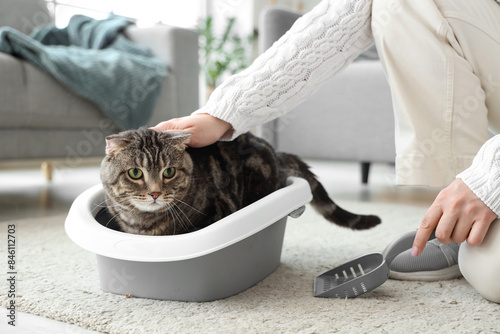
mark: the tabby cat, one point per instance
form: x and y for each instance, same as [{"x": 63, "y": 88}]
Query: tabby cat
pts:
[{"x": 156, "y": 185}]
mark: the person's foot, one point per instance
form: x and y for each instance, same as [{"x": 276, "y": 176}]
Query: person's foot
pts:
[{"x": 437, "y": 262}]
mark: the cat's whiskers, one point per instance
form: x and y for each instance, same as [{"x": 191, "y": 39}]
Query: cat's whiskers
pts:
[
  {"x": 116, "y": 199},
  {"x": 189, "y": 206},
  {"x": 111, "y": 219},
  {"x": 183, "y": 220},
  {"x": 177, "y": 218},
  {"x": 117, "y": 213},
  {"x": 173, "y": 209},
  {"x": 173, "y": 222},
  {"x": 99, "y": 205},
  {"x": 182, "y": 211},
  {"x": 102, "y": 203},
  {"x": 174, "y": 215},
  {"x": 134, "y": 207},
  {"x": 180, "y": 219}
]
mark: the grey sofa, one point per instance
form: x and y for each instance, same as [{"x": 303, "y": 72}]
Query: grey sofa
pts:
[
  {"x": 349, "y": 118},
  {"x": 40, "y": 119}
]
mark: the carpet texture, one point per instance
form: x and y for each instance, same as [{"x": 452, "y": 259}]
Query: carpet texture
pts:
[{"x": 58, "y": 280}]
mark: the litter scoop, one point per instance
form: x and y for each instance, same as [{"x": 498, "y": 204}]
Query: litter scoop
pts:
[{"x": 363, "y": 274}]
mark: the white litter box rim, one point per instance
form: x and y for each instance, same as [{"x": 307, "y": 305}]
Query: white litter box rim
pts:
[{"x": 85, "y": 231}]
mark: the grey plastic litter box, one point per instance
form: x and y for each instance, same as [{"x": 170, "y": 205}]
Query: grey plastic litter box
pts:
[{"x": 216, "y": 262}]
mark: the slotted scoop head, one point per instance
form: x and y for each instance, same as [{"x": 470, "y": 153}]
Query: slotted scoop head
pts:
[
  {"x": 363, "y": 274},
  {"x": 352, "y": 278}
]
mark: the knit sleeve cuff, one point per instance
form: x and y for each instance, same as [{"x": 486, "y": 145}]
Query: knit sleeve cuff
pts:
[
  {"x": 238, "y": 125},
  {"x": 483, "y": 176}
]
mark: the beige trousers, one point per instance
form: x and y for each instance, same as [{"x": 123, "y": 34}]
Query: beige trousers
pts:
[
  {"x": 442, "y": 59},
  {"x": 480, "y": 265}
]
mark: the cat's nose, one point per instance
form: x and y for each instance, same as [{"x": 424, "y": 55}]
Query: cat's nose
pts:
[{"x": 155, "y": 194}]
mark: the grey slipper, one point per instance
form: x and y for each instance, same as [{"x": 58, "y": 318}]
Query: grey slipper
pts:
[{"x": 437, "y": 262}]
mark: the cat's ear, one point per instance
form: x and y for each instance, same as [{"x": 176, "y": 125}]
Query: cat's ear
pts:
[
  {"x": 115, "y": 143},
  {"x": 178, "y": 138}
]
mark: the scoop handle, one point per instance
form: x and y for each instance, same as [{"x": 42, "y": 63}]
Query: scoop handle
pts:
[{"x": 400, "y": 244}]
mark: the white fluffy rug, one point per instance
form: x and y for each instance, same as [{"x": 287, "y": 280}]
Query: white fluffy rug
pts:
[{"x": 58, "y": 280}]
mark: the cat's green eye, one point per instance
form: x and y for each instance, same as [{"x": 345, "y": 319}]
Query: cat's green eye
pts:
[
  {"x": 169, "y": 172},
  {"x": 135, "y": 173}
]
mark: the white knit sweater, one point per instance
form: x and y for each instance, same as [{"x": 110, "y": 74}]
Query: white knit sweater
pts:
[{"x": 319, "y": 45}]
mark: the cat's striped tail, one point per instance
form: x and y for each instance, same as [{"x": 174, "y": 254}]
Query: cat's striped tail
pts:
[{"x": 292, "y": 165}]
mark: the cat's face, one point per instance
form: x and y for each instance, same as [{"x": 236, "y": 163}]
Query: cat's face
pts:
[{"x": 146, "y": 170}]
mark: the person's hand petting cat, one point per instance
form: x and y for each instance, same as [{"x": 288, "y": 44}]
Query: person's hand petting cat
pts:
[
  {"x": 457, "y": 214},
  {"x": 205, "y": 128}
]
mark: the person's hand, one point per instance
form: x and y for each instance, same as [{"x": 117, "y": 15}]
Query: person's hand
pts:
[
  {"x": 205, "y": 128},
  {"x": 457, "y": 214}
]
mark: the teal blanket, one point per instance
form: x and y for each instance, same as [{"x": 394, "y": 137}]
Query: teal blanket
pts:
[{"x": 95, "y": 60}]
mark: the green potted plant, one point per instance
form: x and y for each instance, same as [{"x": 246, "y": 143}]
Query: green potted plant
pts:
[{"x": 220, "y": 55}]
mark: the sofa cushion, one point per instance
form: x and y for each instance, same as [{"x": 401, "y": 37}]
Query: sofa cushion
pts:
[
  {"x": 70, "y": 146},
  {"x": 33, "y": 99}
]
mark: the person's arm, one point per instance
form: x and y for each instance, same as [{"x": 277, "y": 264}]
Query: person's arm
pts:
[
  {"x": 320, "y": 44},
  {"x": 467, "y": 207}
]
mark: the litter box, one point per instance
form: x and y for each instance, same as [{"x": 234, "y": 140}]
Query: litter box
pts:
[{"x": 215, "y": 262}]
